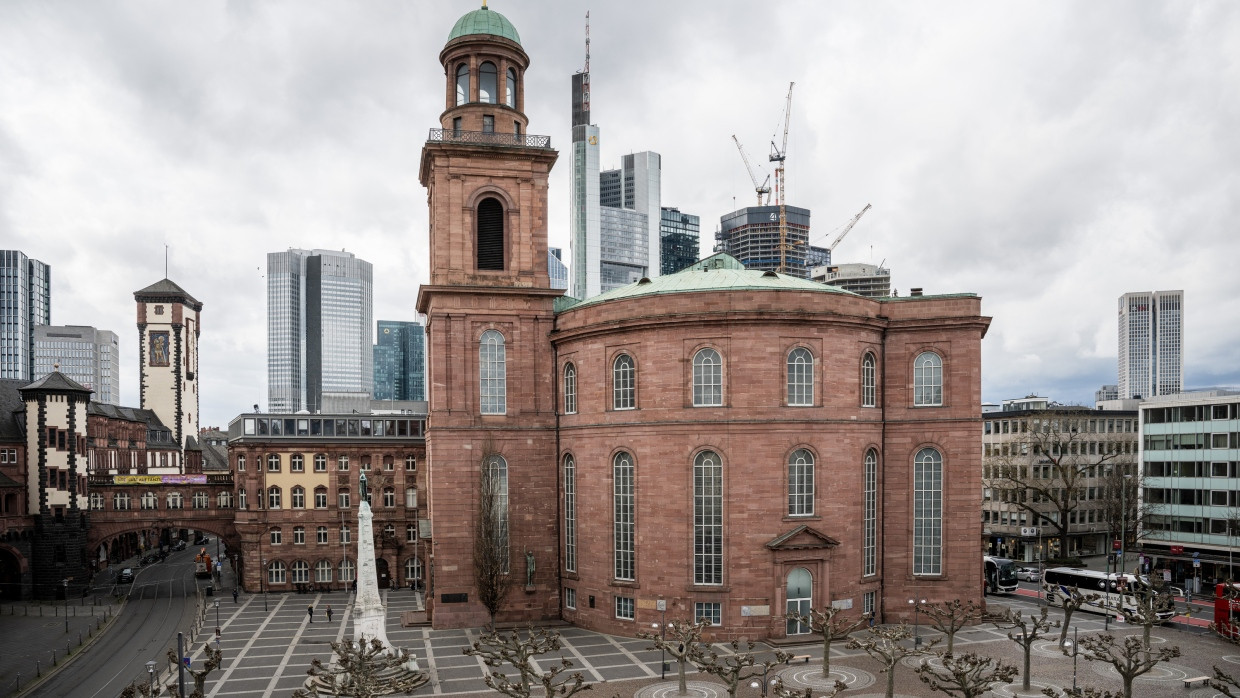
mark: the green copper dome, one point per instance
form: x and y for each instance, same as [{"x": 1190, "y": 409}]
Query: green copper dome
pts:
[{"x": 484, "y": 21}]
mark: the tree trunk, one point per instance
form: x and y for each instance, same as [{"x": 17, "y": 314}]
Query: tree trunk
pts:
[
  {"x": 1128, "y": 687},
  {"x": 1024, "y": 679},
  {"x": 680, "y": 667},
  {"x": 951, "y": 640},
  {"x": 1063, "y": 629},
  {"x": 1145, "y": 636},
  {"x": 891, "y": 681},
  {"x": 826, "y": 656}
]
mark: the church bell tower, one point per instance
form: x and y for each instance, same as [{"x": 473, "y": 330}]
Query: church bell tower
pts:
[{"x": 489, "y": 314}]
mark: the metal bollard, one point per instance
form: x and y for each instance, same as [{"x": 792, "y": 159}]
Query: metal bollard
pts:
[
  {"x": 38, "y": 671},
  {"x": 53, "y": 657}
]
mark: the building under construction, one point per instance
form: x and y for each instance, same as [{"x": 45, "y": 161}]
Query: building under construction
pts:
[
  {"x": 751, "y": 235},
  {"x": 867, "y": 280}
]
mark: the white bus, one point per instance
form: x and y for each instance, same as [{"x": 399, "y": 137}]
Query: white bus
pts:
[
  {"x": 1000, "y": 575},
  {"x": 1111, "y": 589}
]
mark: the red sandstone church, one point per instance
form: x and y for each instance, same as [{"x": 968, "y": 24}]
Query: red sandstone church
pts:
[{"x": 720, "y": 443}]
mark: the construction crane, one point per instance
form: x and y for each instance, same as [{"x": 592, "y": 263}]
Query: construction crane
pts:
[
  {"x": 764, "y": 187},
  {"x": 847, "y": 228},
  {"x": 779, "y": 153}
]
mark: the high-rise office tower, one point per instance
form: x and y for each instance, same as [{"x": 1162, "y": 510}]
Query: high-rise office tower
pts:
[
  {"x": 319, "y": 319},
  {"x": 556, "y": 268},
  {"x": 584, "y": 232},
  {"x": 679, "y": 241},
  {"x": 89, "y": 356},
  {"x": 1151, "y": 328},
  {"x": 751, "y": 235},
  {"x": 25, "y": 301},
  {"x": 400, "y": 361}
]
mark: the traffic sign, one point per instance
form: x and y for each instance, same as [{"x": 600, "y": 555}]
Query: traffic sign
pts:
[
  {"x": 1114, "y": 545},
  {"x": 1197, "y": 563},
  {"x": 1029, "y": 531},
  {"x": 1177, "y": 550}
]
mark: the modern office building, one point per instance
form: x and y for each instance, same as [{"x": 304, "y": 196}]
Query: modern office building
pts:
[
  {"x": 1189, "y": 443},
  {"x": 868, "y": 280},
  {"x": 556, "y": 268},
  {"x": 25, "y": 301},
  {"x": 679, "y": 242},
  {"x": 319, "y": 319},
  {"x": 584, "y": 232},
  {"x": 400, "y": 361},
  {"x": 1105, "y": 394},
  {"x": 1151, "y": 328},
  {"x": 751, "y": 235},
  {"x": 86, "y": 355},
  {"x": 625, "y": 238}
]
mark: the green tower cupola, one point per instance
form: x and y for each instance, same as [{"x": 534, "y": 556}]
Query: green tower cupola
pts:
[{"x": 484, "y": 21}]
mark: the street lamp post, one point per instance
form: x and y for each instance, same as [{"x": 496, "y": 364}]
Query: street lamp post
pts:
[
  {"x": 217, "y": 617},
  {"x": 261, "y": 585},
  {"x": 150, "y": 674},
  {"x": 916, "y": 621},
  {"x": 1075, "y": 651},
  {"x": 65, "y": 583}
]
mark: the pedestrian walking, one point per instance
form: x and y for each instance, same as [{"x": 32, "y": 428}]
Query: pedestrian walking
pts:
[
  {"x": 310, "y": 612},
  {"x": 329, "y": 613},
  {"x": 234, "y": 594}
]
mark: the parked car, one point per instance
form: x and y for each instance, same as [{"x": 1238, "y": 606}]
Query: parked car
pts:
[
  {"x": 1028, "y": 574},
  {"x": 179, "y": 546},
  {"x": 125, "y": 577}
]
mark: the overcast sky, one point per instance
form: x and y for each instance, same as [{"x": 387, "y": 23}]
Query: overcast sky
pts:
[{"x": 1048, "y": 156}]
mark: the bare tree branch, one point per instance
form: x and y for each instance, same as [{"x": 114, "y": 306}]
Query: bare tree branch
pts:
[
  {"x": 831, "y": 627},
  {"x": 967, "y": 676}
]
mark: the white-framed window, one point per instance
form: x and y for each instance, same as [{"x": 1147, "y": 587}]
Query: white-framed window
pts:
[
  {"x": 624, "y": 607},
  {"x": 389, "y": 497},
  {"x": 800, "y": 377},
  {"x": 492, "y": 373},
  {"x": 570, "y": 598},
  {"x": 570, "y": 513},
  {"x": 320, "y": 497},
  {"x": 928, "y": 512},
  {"x": 299, "y": 535},
  {"x": 801, "y": 483},
  {"x": 623, "y": 383},
  {"x": 342, "y": 499},
  {"x": 869, "y": 517},
  {"x": 711, "y": 611},
  {"x": 411, "y": 533},
  {"x": 867, "y": 604},
  {"x": 624, "y": 516},
  {"x": 202, "y": 500},
  {"x": 297, "y": 463},
  {"x": 241, "y": 502},
  {"x": 928, "y": 380},
  {"x": 411, "y": 462},
  {"x": 869, "y": 381},
  {"x": 320, "y": 536},
  {"x": 411, "y": 498},
  {"x": 323, "y": 571},
  {"x": 120, "y": 501},
  {"x": 301, "y": 572},
  {"x": 707, "y": 378},
  {"x": 342, "y": 463},
  {"x": 96, "y": 501},
  {"x": 299, "y": 497},
  {"x": 707, "y": 518},
  {"x": 320, "y": 463},
  {"x": 570, "y": 388},
  {"x": 276, "y": 572},
  {"x": 175, "y": 500},
  {"x": 413, "y": 569},
  {"x": 241, "y": 462},
  {"x": 347, "y": 570},
  {"x": 273, "y": 463},
  {"x": 388, "y": 464},
  {"x": 277, "y": 536},
  {"x": 346, "y": 535},
  {"x": 274, "y": 497}
]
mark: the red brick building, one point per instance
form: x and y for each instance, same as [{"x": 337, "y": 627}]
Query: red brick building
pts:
[{"x": 721, "y": 443}]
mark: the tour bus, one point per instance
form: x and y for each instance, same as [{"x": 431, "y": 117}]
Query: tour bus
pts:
[
  {"x": 1000, "y": 575},
  {"x": 1227, "y": 611},
  {"x": 1110, "y": 589}
]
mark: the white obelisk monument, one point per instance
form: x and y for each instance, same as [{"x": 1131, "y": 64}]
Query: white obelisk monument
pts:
[{"x": 369, "y": 616}]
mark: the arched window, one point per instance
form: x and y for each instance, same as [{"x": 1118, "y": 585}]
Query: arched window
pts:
[
  {"x": 490, "y": 222},
  {"x": 322, "y": 571},
  {"x": 570, "y": 389},
  {"x": 510, "y": 95},
  {"x": 462, "y": 84},
  {"x": 495, "y": 490},
  {"x": 800, "y": 377},
  {"x": 707, "y": 378},
  {"x": 624, "y": 516},
  {"x": 202, "y": 500},
  {"x": 241, "y": 463},
  {"x": 570, "y": 513},
  {"x": 320, "y": 497},
  {"x": 928, "y": 512},
  {"x": 799, "y": 599},
  {"x": 492, "y": 372},
  {"x": 707, "y": 519},
  {"x": 96, "y": 501},
  {"x": 869, "y": 516},
  {"x": 487, "y": 83},
  {"x": 120, "y": 501},
  {"x": 320, "y": 463},
  {"x": 175, "y": 500},
  {"x": 149, "y": 500},
  {"x": 296, "y": 463},
  {"x": 801, "y": 483},
  {"x": 299, "y": 497},
  {"x": 869, "y": 391},
  {"x": 624, "y": 383},
  {"x": 928, "y": 380},
  {"x": 274, "y": 497},
  {"x": 276, "y": 572}
]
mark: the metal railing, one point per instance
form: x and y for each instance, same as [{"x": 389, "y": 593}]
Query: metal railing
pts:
[{"x": 512, "y": 140}]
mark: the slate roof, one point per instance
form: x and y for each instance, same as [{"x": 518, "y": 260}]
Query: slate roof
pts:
[
  {"x": 11, "y": 407},
  {"x": 57, "y": 381},
  {"x": 166, "y": 289}
]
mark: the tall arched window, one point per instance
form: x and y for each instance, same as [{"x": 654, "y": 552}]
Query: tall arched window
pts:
[
  {"x": 495, "y": 490},
  {"x": 799, "y": 595},
  {"x": 276, "y": 572},
  {"x": 490, "y": 221},
  {"x": 707, "y": 519},
  {"x": 869, "y": 392},
  {"x": 462, "y": 84},
  {"x": 707, "y": 378},
  {"x": 624, "y": 516},
  {"x": 928, "y": 512},
  {"x": 624, "y": 383},
  {"x": 800, "y": 377},
  {"x": 570, "y": 389},
  {"x": 928, "y": 380},
  {"x": 801, "y": 483},
  {"x": 869, "y": 517},
  {"x": 570, "y": 513},
  {"x": 510, "y": 95},
  {"x": 322, "y": 571},
  {"x": 301, "y": 572},
  {"x": 274, "y": 497},
  {"x": 492, "y": 373},
  {"x": 299, "y": 497},
  {"x": 487, "y": 91}
]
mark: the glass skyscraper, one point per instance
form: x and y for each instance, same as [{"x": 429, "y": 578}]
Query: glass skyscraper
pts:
[
  {"x": 319, "y": 315},
  {"x": 679, "y": 241},
  {"x": 25, "y": 301},
  {"x": 87, "y": 355},
  {"x": 1151, "y": 326},
  {"x": 400, "y": 361}
]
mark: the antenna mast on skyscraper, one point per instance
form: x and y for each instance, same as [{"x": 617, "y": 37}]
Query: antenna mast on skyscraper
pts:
[{"x": 585, "y": 91}]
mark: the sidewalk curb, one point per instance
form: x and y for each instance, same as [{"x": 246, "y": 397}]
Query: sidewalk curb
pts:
[{"x": 73, "y": 657}]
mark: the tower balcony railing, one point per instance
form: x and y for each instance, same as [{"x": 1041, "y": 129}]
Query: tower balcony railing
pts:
[{"x": 509, "y": 140}]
